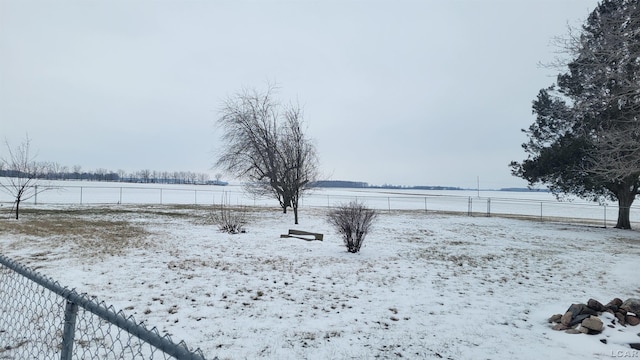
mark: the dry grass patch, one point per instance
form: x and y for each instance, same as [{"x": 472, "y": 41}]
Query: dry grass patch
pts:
[{"x": 90, "y": 236}]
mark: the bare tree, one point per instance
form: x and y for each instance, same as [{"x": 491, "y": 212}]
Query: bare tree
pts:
[
  {"x": 24, "y": 174},
  {"x": 77, "y": 172},
  {"x": 606, "y": 53},
  {"x": 614, "y": 64},
  {"x": 145, "y": 175},
  {"x": 300, "y": 162},
  {"x": 266, "y": 146},
  {"x": 202, "y": 178},
  {"x": 121, "y": 174},
  {"x": 51, "y": 169},
  {"x": 616, "y": 153}
]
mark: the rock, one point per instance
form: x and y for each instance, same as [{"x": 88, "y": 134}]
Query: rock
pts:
[
  {"x": 593, "y": 323},
  {"x": 612, "y": 309},
  {"x": 632, "y": 320},
  {"x": 631, "y": 305},
  {"x": 621, "y": 318},
  {"x": 578, "y": 319},
  {"x": 559, "y": 327},
  {"x": 579, "y": 309},
  {"x": 555, "y": 318},
  {"x": 635, "y": 346},
  {"x": 566, "y": 318},
  {"x": 595, "y": 305},
  {"x": 615, "y": 302},
  {"x": 622, "y": 311},
  {"x": 576, "y": 313},
  {"x": 604, "y": 341},
  {"x": 573, "y": 331},
  {"x": 583, "y": 330}
]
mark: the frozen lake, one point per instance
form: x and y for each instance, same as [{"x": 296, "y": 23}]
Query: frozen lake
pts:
[{"x": 536, "y": 204}]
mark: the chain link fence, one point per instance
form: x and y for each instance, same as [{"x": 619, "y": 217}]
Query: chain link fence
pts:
[
  {"x": 541, "y": 205},
  {"x": 39, "y": 319}
]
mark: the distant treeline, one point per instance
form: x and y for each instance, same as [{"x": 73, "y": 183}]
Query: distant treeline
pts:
[
  {"x": 49, "y": 172},
  {"x": 524, "y": 190},
  {"x": 359, "y": 184},
  {"x": 339, "y": 184}
]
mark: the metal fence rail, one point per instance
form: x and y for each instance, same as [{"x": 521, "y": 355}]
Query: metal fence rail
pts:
[{"x": 39, "y": 319}]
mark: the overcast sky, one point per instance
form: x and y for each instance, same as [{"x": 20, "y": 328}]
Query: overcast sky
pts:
[{"x": 401, "y": 92}]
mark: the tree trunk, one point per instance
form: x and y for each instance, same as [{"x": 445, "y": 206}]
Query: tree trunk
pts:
[
  {"x": 17, "y": 208},
  {"x": 625, "y": 199},
  {"x": 295, "y": 213}
]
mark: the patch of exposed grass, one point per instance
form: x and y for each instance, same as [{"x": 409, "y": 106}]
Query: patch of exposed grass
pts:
[
  {"x": 98, "y": 231},
  {"x": 87, "y": 235},
  {"x": 99, "y": 211}
]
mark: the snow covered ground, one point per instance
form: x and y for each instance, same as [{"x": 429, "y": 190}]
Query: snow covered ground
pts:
[{"x": 423, "y": 286}]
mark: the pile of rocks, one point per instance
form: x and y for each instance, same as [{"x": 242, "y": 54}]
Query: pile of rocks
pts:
[{"x": 584, "y": 318}]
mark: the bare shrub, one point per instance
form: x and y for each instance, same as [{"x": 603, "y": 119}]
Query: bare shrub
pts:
[
  {"x": 353, "y": 221},
  {"x": 229, "y": 220}
]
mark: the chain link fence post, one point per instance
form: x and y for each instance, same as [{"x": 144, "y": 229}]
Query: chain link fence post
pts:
[
  {"x": 540, "y": 211},
  {"x": 68, "y": 333},
  {"x": 488, "y": 207}
]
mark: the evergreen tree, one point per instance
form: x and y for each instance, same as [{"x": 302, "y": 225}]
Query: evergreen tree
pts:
[{"x": 585, "y": 139}]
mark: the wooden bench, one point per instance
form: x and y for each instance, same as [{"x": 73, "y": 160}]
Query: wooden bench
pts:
[{"x": 304, "y": 235}]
